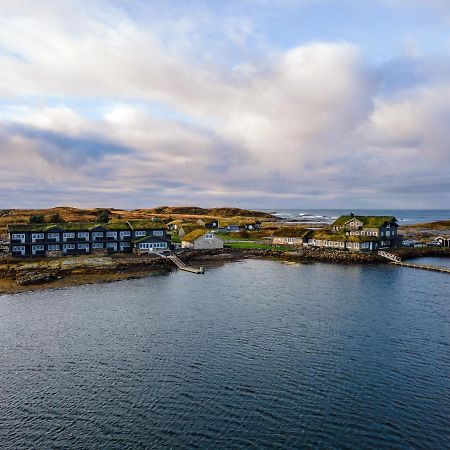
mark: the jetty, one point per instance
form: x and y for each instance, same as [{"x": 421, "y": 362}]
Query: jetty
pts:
[
  {"x": 396, "y": 260},
  {"x": 182, "y": 265}
]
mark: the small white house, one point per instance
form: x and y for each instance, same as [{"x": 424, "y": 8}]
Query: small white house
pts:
[{"x": 201, "y": 240}]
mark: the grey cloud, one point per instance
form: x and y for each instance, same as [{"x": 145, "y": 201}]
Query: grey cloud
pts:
[{"x": 314, "y": 124}]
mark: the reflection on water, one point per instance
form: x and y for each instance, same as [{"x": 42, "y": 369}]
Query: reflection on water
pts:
[{"x": 251, "y": 353}]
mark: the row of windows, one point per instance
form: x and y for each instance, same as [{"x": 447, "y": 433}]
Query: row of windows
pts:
[
  {"x": 343, "y": 244},
  {"x": 57, "y": 247},
  {"x": 152, "y": 245},
  {"x": 85, "y": 234}
]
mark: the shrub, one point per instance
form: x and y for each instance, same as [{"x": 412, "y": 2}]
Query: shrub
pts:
[
  {"x": 36, "y": 218},
  {"x": 55, "y": 218},
  {"x": 103, "y": 216}
]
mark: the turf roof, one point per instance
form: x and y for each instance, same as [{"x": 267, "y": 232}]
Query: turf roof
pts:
[
  {"x": 368, "y": 221},
  {"x": 193, "y": 235},
  {"x": 291, "y": 232}
]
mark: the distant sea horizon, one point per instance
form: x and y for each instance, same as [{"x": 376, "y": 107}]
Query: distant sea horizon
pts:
[{"x": 404, "y": 216}]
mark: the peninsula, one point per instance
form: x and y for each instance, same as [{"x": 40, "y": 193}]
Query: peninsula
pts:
[{"x": 63, "y": 246}]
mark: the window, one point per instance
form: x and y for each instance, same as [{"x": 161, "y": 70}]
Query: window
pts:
[
  {"x": 125, "y": 234},
  {"x": 18, "y": 237},
  {"x": 68, "y": 235},
  {"x": 53, "y": 235},
  {"x": 140, "y": 233},
  {"x": 97, "y": 245},
  {"x": 53, "y": 247},
  {"x": 111, "y": 245},
  {"x": 111, "y": 234},
  {"x": 125, "y": 244},
  {"x": 83, "y": 235},
  {"x": 38, "y": 248},
  {"x": 290, "y": 240},
  {"x": 69, "y": 246},
  {"x": 37, "y": 236},
  {"x": 83, "y": 246},
  {"x": 209, "y": 236},
  {"x": 158, "y": 233},
  {"x": 97, "y": 234},
  {"x": 18, "y": 248}
]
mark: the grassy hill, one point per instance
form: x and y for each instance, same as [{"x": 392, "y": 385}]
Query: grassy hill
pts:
[{"x": 70, "y": 214}]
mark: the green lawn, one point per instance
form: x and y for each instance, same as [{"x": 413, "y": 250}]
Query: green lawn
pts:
[
  {"x": 174, "y": 238},
  {"x": 252, "y": 245}
]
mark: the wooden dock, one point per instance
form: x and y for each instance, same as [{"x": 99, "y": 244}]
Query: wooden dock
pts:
[
  {"x": 396, "y": 260},
  {"x": 422, "y": 266},
  {"x": 182, "y": 266}
]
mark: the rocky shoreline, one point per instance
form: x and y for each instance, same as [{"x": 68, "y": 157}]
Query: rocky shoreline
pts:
[{"x": 18, "y": 275}]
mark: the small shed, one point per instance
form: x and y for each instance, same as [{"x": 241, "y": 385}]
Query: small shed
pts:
[
  {"x": 201, "y": 240},
  {"x": 290, "y": 236}
]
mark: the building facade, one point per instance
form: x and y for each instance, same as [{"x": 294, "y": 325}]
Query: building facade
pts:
[
  {"x": 202, "y": 240},
  {"x": 80, "y": 238},
  {"x": 359, "y": 233},
  {"x": 443, "y": 241},
  {"x": 290, "y": 236},
  {"x": 151, "y": 244}
]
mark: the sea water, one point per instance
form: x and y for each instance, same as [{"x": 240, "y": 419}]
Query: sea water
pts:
[{"x": 252, "y": 354}]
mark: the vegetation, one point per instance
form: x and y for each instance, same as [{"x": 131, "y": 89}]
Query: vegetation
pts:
[
  {"x": 56, "y": 218},
  {"x": 36, "y": 218},
  {"x": 103, "y": 216},
  {"x": 219, "y": 212},
  {"x": 174, "y": 237},
  {"x": 166, "y": 214}
]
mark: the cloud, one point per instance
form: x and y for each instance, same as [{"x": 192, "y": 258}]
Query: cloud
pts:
[{"x": 203, "y": 109}]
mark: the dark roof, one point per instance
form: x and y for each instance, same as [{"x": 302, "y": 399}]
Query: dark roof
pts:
[{"x": 368, "y": 221}]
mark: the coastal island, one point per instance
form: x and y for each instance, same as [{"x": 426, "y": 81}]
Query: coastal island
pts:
[{"x": 64, "y": 246}]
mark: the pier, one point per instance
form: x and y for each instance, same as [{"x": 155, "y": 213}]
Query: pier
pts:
[
  {"x": 422, "y": 266},
  {"x": 181, "y": 265},
  {"x": 396, "y": 260}
]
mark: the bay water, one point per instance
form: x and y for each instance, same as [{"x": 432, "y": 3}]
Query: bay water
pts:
[{"x": 252, "y": 354}]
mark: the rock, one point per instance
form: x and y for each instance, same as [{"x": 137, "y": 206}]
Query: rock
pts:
[{"x": 28, "y": 279}]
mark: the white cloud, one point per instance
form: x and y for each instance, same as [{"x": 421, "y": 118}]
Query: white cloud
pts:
[{"x": 169, "y": 120}]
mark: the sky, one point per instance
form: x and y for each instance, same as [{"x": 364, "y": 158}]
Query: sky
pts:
[{"x": 249, "y": 103}]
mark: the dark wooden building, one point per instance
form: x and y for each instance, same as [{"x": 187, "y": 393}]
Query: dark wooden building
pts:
[{"x": 81, "y": 238}]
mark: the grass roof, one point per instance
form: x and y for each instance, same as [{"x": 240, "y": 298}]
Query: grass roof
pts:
[
  {"x": 193, "y": 235},
  {"x": 191, "y": 227},
  {"x": 147, "y": 224},
  {"x": 291, "y": 232},
  {"x": 84, "y": 226},
  {"x": 368, "y": 221},
  {"x": 151, "y": 238}
]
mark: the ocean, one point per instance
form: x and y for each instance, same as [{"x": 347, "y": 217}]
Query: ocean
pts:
[
  {"x": 253, "y": 354},
  {"x": 404, "y": 216}
]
